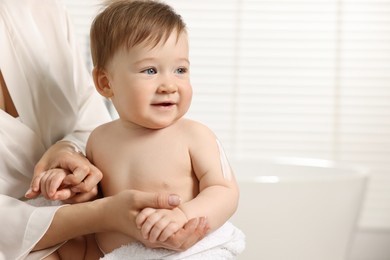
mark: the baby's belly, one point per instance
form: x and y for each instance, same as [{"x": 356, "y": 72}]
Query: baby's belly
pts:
[{"x": 183, "y": 184}]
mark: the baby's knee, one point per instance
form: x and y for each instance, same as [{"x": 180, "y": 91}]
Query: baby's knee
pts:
[
  {"x": 74, "y": 249},
  {"x": 52, "y": 256}
]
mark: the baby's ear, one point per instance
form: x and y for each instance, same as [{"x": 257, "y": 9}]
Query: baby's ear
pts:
[{"x": 102, "y": 83}]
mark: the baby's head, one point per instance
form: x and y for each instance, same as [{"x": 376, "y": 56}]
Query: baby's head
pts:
[
  {"x": 140, "y": 56},
  {"x": 127, "y": 23}
]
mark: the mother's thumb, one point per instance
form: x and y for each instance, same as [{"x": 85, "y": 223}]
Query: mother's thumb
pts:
[{"x": 157, "y": 200}]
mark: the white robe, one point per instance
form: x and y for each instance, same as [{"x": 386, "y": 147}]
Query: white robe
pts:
[{"x": 54, "y": 96}]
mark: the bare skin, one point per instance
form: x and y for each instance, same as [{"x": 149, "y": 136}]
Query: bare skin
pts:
[
  {"x": 6, "y": 102},
  {"x": 151, "y": 147},
  {"x": 95, "y": 216},
  {"x": 87, "y": 218}
]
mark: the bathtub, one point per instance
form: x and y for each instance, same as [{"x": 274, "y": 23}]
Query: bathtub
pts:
[{"x": 297, "y": 209}]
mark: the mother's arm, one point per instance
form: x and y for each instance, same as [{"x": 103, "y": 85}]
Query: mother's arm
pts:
[
  {"x": 97, "y": 216},
  {"x": 116, "y": 213}
]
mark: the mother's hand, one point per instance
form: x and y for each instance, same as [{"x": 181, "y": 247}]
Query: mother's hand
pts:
[
  {"x": 191, "y": 233},
  {"x": 122, "y": 219},
  {"x": 117, "y": 214},
  {"x": 80, "y": 183}
]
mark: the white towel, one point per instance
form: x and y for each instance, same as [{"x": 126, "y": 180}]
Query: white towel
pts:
[{"x": 225, "y": 243}]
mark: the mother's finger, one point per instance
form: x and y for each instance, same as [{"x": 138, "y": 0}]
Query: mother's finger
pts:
[
  {"x": 90, "y": 181},
  {"x": 82, "y": 197},
  {"x": 155, "y": 200},
  {"x": 78, "y": 174},
  {"x": 192, "y": 232}
]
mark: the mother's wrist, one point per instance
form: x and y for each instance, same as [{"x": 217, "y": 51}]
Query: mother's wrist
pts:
[{"x": 71, "y": 146}]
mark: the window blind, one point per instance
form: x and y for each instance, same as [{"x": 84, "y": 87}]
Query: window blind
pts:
[{"x": 296, "y": 78}]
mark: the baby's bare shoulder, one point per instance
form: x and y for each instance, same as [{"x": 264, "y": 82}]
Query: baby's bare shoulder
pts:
[
  {"x": 106, "y": 128},
  {"x": 196, "y": 129}
]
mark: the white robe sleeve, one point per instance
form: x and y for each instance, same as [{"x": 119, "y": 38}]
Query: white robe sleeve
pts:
[
  {"x": 22, "y": 225},
  {"x": 33, "y": 221},
  {"x": 55, "y": 99}
]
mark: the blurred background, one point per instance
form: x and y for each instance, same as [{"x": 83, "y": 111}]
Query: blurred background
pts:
[{"x": 293, "y": 78}]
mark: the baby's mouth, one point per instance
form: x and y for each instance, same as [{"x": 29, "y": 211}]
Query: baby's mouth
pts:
[{"x": 164, "y": 104}]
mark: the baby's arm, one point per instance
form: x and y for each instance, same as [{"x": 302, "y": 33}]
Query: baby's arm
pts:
[
  {"x": 219, "y": 193},
  {"x": 218, "y": 197}
]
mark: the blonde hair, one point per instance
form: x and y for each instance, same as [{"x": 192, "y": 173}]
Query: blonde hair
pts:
[{"x": 127, "y": 23}]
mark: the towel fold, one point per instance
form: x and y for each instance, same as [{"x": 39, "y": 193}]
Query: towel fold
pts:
[{"x": 225, "y": 243}]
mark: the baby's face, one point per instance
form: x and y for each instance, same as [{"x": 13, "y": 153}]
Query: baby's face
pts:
[{"x": 151, "y": 85}]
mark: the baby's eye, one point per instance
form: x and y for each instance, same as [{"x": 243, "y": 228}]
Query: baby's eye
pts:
[
  {"x": 150, "y": 71},
  {"x": 181, "y": 70}
]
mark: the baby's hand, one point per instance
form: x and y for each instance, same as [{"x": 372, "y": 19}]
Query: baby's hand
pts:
[
  {"x": 160, "y": 224},
  {"x": 52, "y": 186}
]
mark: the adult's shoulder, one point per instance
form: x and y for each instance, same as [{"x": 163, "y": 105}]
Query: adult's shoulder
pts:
[
  {"x": 33, "y": 5},
  {"x": 23, "y": 14}
]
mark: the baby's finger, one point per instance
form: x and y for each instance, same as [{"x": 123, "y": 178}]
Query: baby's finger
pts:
[
  {"x": 157, "y": 229},
  {"x": 44, "y": 185},
  {"x": 148, "y": 225},
  {"x": 48, "y": 180},
  {"x": 143, "y": 215},
  {"x": 54, "y": 181},
  {"x": 63, "y": 194},
  {"x": 34, "y": 189}
]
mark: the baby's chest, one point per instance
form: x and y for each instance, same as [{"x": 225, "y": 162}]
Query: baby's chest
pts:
[{"x": 155, "y": 170}]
